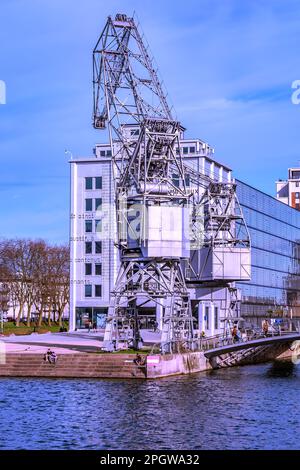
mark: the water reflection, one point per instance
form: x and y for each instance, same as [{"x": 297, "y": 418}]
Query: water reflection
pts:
[{"x": 284, "y": 368}]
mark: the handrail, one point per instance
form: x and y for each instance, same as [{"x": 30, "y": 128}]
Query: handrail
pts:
[{"x": 213, "y": 342}]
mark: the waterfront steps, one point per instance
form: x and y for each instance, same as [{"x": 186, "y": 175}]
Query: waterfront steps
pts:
[{"x": 87, "y": 365}]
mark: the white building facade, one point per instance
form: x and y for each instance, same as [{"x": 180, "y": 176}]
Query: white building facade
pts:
[
  {"x": 94, "y": 255},
  {"x": 288, "y": 191}
]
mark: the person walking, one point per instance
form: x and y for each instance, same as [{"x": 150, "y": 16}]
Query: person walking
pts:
[
  {"x": 234, "y": 334},
  {"x": 265, "y": 327}
]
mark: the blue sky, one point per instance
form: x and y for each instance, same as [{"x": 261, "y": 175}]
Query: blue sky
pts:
[{"x": 228, "y": 66}]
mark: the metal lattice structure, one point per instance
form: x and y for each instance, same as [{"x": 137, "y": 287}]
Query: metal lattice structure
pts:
[
  {"x": 162, "y": 224},
  {"x": 130, "y": 101},
  {"x": 223, "y": 252}
]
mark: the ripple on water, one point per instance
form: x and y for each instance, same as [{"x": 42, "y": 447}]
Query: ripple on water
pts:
[{"x": 253, "y": 407}]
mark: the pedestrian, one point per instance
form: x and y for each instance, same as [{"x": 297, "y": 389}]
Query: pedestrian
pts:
[
  {"x": 90, "y": 326},
  {"x": 234, "y": 333},
  {"x": 94, "y": 326},
  {"x": 265, "y": 327}
]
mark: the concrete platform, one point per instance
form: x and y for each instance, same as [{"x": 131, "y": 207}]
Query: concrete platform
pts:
[{"x": 80, "y": 357}]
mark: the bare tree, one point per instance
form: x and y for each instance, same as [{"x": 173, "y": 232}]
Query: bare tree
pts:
[
  {"x": 15, "y": 260},
  {"x": 60, "y": 292},
  {"x": 37, "y": 275}
]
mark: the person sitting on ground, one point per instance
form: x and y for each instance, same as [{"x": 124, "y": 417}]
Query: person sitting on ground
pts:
[
  {"x": 53, "y": 357},
  {"x": 139, "y": 361},
  {"x": 47, "y": 355},
  {"x": 50, "y": 356}
]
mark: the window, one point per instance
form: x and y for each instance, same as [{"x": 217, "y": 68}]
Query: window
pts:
[
  {"x": 297, "y": 195},
  {"x": 98, "y": 204},
  {"x": 185, "y": 150},
  {"x": 297, "y": 184},
  {"x": 175, "y": 179},
  {"x": 295, "y": 175},
  {"x": 98, "y": 269},
  {"x": 192, "y": 149},
  {"x": 102, "y": 153},
  {"x": 98, "y": 225},
  {"x": 98, "y": 247},
  {"x": 98, "y": 182},
  {"x": 216, "y": 318},
  {"x": 88, "y": 226},
  {"x": 206, "y": 318},
  {"x": 98, "y": 290},
  {"x": 88, "y": 290},
  {"x": 134, "y": 132},
  {"x": 88, "y": 248},
  {"x": 88, "y": 269},
  {"x": 88, "y": 183},
  {"x": 108, "y": 153},
  {"x": 187, "y": 180},
  {"x": 88, "y": 205},
  {"x": 177, "y": 150}
]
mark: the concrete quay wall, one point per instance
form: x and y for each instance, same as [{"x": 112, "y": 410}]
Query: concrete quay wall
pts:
[
  {"x": 115, "y": 365},
  {"x": 90, "y": 365},
  {"x": 176, "y": 364}
]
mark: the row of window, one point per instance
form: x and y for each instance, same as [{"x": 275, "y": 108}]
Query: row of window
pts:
[
  {"x": 105, "y": 153},
  {"x": 89, "y": 226},
  {"x": 89, "y": 269},
  {"x": 93, "y": 182},
  {"x": 88, "y": 290},
  {"x": 93, "y": 204},
  {"x": 295, "y": 174},
  {"x": 89, "y": 248},
  {"x": 186, "y": 150},
  {"x": 176, "y": 181}
]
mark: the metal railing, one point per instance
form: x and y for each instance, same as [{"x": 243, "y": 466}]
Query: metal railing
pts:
[{"x": 214, "y": 342}]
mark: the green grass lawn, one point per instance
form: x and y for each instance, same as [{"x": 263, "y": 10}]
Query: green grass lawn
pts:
[
  {"x": 124, "y": 351},
  {"x": 11, "y": 328}
]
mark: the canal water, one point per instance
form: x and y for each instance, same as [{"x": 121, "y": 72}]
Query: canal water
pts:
[{"x": 253, "y": 407}]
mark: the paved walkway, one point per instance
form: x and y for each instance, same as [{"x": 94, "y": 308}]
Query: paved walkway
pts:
[
  {"x": 34, "y": 349},
  {"x": 64, "y": 343}
]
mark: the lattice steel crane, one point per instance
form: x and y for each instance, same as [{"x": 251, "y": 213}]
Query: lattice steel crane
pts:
[
  {"x": 156, "y": 214},
  {"x": 152, "y": 209}
]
